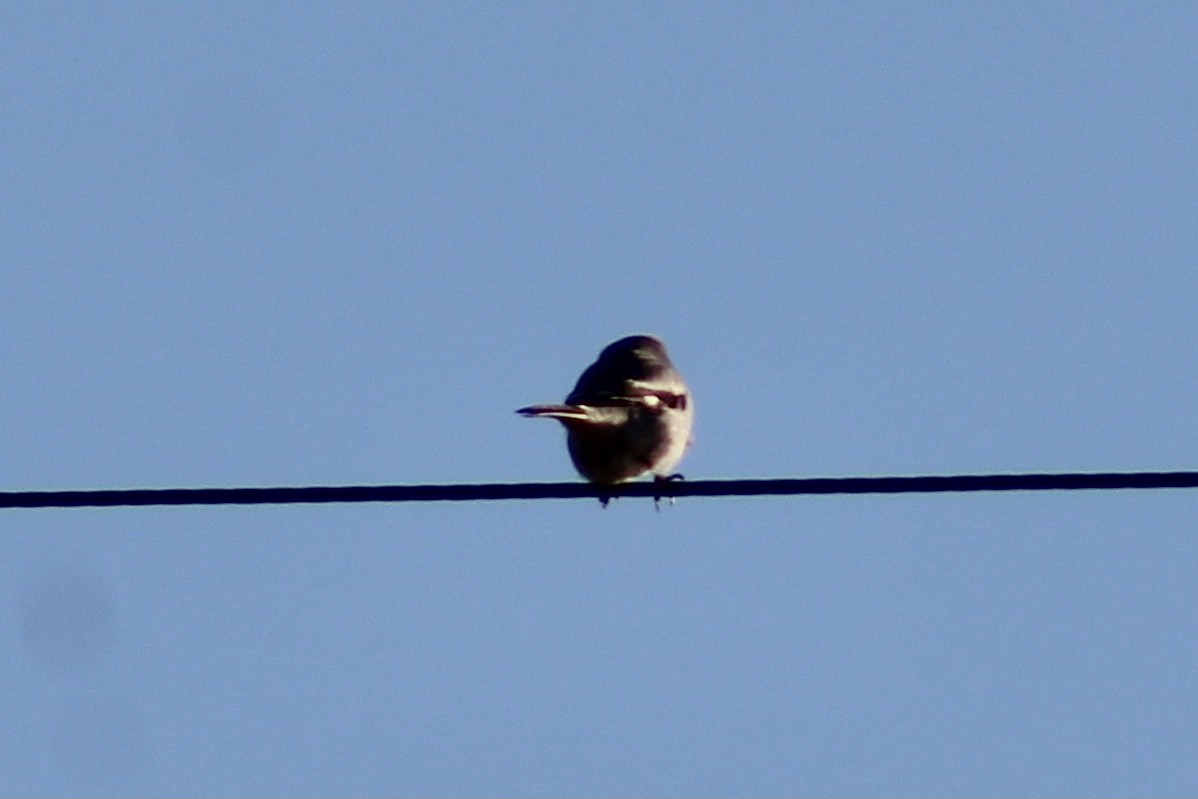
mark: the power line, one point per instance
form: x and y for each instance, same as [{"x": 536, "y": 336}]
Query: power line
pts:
[{"x": 1104, "y": 481}]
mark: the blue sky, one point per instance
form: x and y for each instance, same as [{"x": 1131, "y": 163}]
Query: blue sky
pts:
[{"x": 290, "y": 244}]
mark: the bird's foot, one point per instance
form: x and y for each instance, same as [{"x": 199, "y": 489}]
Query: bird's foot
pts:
[{"x": 658, "y": 480}]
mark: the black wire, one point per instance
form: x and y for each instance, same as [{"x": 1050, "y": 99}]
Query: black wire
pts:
[{"x": 679, "y": 488}]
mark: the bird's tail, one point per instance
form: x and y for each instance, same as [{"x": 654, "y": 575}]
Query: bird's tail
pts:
[{"x": 563, "y": 412}]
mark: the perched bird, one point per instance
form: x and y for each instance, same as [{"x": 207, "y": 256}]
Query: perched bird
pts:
[{"x": 630, "y": 413}]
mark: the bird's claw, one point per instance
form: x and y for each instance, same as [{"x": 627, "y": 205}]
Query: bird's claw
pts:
[{"x": 658, "y": 480}]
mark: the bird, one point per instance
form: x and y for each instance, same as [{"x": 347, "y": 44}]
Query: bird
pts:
[{"x": 630, "y": 413}]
